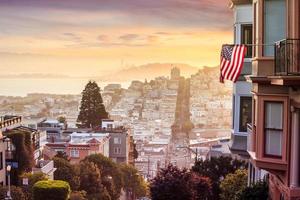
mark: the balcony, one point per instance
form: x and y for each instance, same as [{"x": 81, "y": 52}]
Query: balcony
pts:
[
  {"x": 287, "y": 57},
  {"x": 10, "y": 121}
]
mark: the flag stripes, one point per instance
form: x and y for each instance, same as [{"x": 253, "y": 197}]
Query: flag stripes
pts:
[{"x": 232, "y": 58}]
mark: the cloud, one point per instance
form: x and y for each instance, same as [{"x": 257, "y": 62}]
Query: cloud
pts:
[
  {"x": 103, "y": 38},
  {"x": 129, "y": 37},
  {"x": 213, "y": 14},
  {"x": 72, "y": 36}
]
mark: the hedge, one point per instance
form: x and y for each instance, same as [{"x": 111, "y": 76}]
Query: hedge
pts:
[{"x": 51, "y": 189}]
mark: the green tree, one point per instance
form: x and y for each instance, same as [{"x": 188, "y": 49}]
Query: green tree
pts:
[
  {"x": 62, "y": 154},
  {"x": 233, "y": 185},
  {"x": 92, "y": 109},
  {"x": 62, "y": 119},
  {"x": 134, "y": 184},
  {"x": 22, "y": 154},
  {"x": 78, "y": 195},
  {"x": 90, "y": 181},
  {"x": 172, "y": 183},
  {"x": 66, "y": 172},
  {"x": 32, "y": 179},
  {"x": 108, "y": 169},
  {"x": 257, "y": 191},
  {"x": 217, "y": 169},
  {"x": 201, "y": 187}
]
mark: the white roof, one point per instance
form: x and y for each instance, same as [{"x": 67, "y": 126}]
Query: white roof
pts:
[
  {"x": 81, "y": 138},
  {"x": 51, "y": 121}
]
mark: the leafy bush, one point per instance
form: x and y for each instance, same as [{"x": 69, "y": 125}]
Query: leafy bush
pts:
[
  {"x": 51, "y": 189},
  {"x": 233, "y": 185},
  {"x": 78, "y": 195},
  {"x": 216, "y": 169},
  {"x": 172, "y": 183},
  {"x": 65, "y": 171},
  {"x": 257, "y": 191}
]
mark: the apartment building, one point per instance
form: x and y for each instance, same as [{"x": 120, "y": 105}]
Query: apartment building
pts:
[
  {"x": 6, "y": 122},
  {"x": 12, "y": 125},
  {"x": 119, "y": 144},
  {"x": 274, "y": 132}
]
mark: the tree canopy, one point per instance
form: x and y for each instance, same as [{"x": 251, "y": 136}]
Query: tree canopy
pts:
[
  {"x": 256, "y": 191},
  {"x": 133, "y": 182},
  {"x": 233, "y": 185},
  {"x": 66, "y": 172},
  {"x": 92, "y": 109},
  {"x": 216, "y": 169},
  {"x": 108, "y": 169},
  {"x": 172, "y": 183}
]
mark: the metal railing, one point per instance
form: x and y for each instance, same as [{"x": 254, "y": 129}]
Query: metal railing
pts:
[{"x": 287, "y": 57}]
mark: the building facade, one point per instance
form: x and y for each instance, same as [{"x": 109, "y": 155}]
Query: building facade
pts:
[
  {"x": 275, "y": 78},
  {"x": 79, "y": 146},
  {"x": 242, "y": 96}
]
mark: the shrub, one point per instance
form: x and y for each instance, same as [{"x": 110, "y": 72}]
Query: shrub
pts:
[
  {"x": 51, "y": 189},
  {"x": 78, "y": 195},
  {"x": 257, "y": 191},
  {"x": 16, "y": 193},
  {"x": 233, "y": 185}
]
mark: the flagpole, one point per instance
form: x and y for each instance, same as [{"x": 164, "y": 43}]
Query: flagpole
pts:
[{"x": 250, "y": 44}]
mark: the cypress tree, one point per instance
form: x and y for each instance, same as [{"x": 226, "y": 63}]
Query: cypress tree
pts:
[{"x": 92, "y": 109}]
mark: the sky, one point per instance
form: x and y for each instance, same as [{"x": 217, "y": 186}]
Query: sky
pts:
[{"x": 94, "y": 37}]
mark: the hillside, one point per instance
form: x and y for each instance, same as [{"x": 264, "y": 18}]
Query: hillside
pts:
[{"x": 149, "y": 71}]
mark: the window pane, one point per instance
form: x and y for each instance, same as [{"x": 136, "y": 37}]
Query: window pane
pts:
[
  {"x": 273, "y": 142},
  {"x": 245, "y": 113},
  {"x": 117, "y": 140},
  {"x": 247, "y": 38},
  {"x": 274, "y": 113},
  {"x": 233, "y": 111},
  {"x": 275, "y": 24}
]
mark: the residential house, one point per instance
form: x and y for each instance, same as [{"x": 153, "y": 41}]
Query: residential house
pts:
[{"x": 79, "y": 146}]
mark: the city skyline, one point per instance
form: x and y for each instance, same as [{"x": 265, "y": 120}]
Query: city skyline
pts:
[{"x": 96, "y": 36}]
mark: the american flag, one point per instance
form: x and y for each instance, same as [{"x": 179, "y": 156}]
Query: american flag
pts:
[{"x": 232, "y": 59}]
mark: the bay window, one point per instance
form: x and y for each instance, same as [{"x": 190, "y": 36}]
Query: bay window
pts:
[{"x": 273, "y": 126}]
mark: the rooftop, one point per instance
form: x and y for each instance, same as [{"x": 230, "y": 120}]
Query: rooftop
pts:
[{"x": 83, "y": 138}]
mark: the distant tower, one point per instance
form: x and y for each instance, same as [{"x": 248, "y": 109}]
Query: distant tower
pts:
[{"x": 175, "y": 73}]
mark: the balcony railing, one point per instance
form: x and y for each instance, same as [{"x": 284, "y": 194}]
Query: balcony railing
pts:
[
  {"x": 249, "y": 137},
  {"x": 287, "y": 57},
  {"x": 6, "y": 122}
]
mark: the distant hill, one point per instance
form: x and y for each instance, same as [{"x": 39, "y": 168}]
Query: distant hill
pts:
[{"x": 149, "y": 71}]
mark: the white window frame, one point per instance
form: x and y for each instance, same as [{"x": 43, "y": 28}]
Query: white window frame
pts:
[
  {"x": 74, "y": 153},
  {"x": 117, "y": 140}
]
